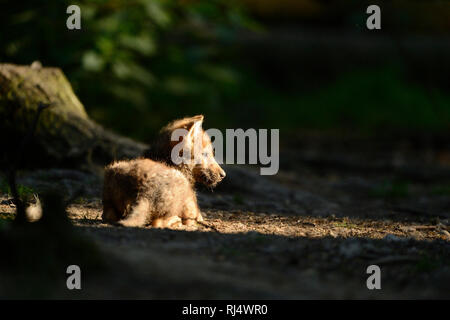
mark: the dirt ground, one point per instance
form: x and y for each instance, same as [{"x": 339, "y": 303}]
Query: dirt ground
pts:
[{"x": 310, "y": 232}]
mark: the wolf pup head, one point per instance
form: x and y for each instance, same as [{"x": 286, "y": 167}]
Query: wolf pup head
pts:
[{"x": 183, "y": 143}]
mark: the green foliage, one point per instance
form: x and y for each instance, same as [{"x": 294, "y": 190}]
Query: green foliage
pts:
[
  {"x": 365, "y": 100},
  {"x": 441, "y": 190},
  {"x": 134, "y": 64},
  {"x": 391, "y": 190},
  {"x": 137, "y": 64},
  {"x": 418, "y": 15},
  {"x": 24, "y": 191}
]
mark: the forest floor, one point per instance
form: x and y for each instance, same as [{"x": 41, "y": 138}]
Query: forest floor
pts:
[{"x": 309, "y": 232}]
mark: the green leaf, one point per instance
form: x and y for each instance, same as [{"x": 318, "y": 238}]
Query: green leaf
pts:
[
  {"x": 157, "y": 13},
  {"x": 92, "y": 61},
  {"x": 142, "y": 44}
]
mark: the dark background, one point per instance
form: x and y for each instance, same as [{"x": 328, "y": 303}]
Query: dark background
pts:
[{"x": 297, "y": 65}]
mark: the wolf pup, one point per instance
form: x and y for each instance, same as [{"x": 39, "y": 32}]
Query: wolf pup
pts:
[{"x": 154, "y": 190}]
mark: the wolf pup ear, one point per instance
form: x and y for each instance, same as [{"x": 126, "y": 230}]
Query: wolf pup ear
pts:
[
  {"x": 195, "y": 127},
  {"x": 194, "y": 121},
  {"x": 192, "y": 126},
  {"x": 198, "y": 117}
]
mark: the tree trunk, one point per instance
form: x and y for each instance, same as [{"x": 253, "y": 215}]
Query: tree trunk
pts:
[{"x": 65, "y": 136}]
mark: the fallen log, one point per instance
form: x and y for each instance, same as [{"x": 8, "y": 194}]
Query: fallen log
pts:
[{"x": 65, "y": 135}]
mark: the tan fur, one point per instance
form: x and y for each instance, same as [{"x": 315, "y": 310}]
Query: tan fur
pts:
[
  {"x": 154, "y": 191},
  {"x": 208, "y": 172}
]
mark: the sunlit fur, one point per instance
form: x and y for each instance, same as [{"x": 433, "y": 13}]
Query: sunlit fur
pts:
[{"x": 155, "y": 191}]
